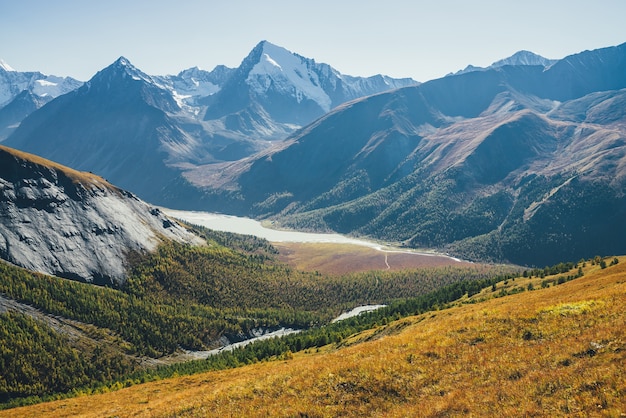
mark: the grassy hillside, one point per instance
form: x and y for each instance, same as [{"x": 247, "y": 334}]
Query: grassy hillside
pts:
[
  {"x": 523, "y": 347},
  {"x": 179, "y": 298},
  {"x": 84, "y": 178}
]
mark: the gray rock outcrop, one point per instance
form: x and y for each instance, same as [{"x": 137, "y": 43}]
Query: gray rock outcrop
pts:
[{"x": 71, "y": 224}]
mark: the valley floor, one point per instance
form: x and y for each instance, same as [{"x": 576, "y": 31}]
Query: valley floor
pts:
[
  {"x": 330, "y": 258},
  {"x": 558, "y": 350},
  {"x": 322, "y": 252}
]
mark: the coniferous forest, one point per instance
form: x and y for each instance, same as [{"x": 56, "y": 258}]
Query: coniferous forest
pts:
[{"x": 186, "y": 297}]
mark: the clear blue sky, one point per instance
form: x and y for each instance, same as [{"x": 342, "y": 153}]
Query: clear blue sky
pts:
[{"x": 418, "y": 39}]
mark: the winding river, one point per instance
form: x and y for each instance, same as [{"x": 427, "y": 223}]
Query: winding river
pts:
[
  {"x": 261, "y": 334},
  {"x": 247, "y": 226}
]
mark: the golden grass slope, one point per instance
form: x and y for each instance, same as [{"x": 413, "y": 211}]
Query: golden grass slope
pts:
[
  {"x": 558, "y": 351},
  {"x": 82, "y": 177}
]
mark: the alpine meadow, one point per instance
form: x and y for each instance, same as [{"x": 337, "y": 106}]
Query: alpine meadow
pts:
[{"x": 451, "y": 247}]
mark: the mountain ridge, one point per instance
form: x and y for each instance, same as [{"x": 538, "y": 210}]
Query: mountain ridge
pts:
[
  {"x": 522, "y": 57},
  {"x": 481, "y": 149},
  {"x": 124, "y": 123},
  {"x": 90, "y": 226},
  {"x": 21, "y": 93}
]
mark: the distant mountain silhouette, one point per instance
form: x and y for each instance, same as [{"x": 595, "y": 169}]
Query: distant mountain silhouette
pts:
[{"x": 21, "y": 93}]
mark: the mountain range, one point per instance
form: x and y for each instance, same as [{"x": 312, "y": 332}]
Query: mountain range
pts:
[
  {"x": 517, "y": 163},
  {"x": 21, "y": 93},
  {"x": 123, "y": 122},
  {"x": 519, "y": 58},
  {"x": 521, "y": 161},
  {"x": 289, "y": 89}
]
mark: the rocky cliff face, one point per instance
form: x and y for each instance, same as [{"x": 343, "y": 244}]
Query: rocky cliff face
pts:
[{"x": 72, "y": 224}]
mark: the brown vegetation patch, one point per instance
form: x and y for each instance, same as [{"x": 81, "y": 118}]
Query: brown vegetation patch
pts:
[{"x": 328, "y": 258}]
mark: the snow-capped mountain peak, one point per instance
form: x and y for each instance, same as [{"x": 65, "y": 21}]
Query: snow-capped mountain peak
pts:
[
  {"x": 124, "y": 81},
  {"x": 12, "y": 83},
  {"x": 5, "y": 66},
  {"x": 122, "y": 69},
  {"x": 519, "y": 58},
  {"x": 53, "y": 86},
  {"x": 123, "y": 64},
  {"x": 273, "y": 84},
  {"x": 523, "y": 58},
  {"x": 194, "y": 83},
  {"x": 289, "y": 73}
]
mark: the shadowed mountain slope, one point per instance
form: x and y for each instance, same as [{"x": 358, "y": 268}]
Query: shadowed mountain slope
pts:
[
  {"x": 141, "y": 131},
  {"x": 515, "y": 163}
]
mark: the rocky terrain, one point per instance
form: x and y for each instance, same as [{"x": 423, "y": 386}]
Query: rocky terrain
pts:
[{"x": 62, "y": 222}]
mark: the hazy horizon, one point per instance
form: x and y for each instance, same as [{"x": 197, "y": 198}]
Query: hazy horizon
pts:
[{"x": 418, "y": 40}]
